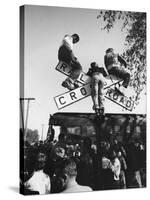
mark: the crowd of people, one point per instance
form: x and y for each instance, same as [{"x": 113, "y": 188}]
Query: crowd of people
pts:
[{"x": 66, "y": 166}]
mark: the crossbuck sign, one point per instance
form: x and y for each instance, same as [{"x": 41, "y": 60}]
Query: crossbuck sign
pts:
[{"x": 84, "y": 90}]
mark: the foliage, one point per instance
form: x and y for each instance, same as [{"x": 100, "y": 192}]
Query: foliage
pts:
[
  {"x": 32, "y": 136},
  {"x": 134, "y": 25}
]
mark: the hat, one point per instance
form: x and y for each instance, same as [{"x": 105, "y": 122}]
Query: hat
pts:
[
  {"x": 94, "y": 64},
  {"x": 109, "y": 50},
  {"x": 75, "y": 37}
]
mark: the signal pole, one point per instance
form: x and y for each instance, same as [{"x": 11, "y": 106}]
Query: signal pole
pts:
[
  {"x": 27, "y": 114},
  {"x": 42, "y": 132}
]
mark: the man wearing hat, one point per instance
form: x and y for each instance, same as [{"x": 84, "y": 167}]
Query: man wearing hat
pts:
[{"x": 65, "y": 54}]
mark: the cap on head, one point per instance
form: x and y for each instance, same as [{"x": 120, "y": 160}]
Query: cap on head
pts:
[
  {"x": 109, "y": 50},
  {"x": 94, "y": 64},
  {"x": 76, "y": 38}
]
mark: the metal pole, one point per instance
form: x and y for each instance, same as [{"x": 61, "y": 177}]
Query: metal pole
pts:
[
  {"x": 27, "y": 114},
  {"x": 22, "y": 114},
  {"x": 26, "y": 122},
  {"x": 42, "y": 131}
]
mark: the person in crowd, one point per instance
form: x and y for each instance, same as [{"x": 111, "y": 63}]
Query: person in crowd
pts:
[
  {"x": 106, "y": 173},
  {"x": 97, "y": 75},
  {"x": 58, "y": 180},
  {"x": 27, "y": 171},
  {"x": 65, "y": 54},
  {"x": 142, "y": 156},
  {"x": 61, "y": 141},
  {"x": 134, "y": 165},
  {"x": 77, "y": 152},
  {"x": 71, "y": 184},
  {"x": 59, "y": 145},
  {"x": 123, "y": 170},
  {"x": 105, "y": 148},
  {"x": 56, "y": 160},
  {"x": 95, "y": 165},
  {"x": 39, "y": 181},
  {"x": 85, "y": 165},
  {"x": 113, "y": 63},
  {"x": 118, "y": 147},
  {"x": 116, "y": 168},
  {"x": 51, "y": 134}
]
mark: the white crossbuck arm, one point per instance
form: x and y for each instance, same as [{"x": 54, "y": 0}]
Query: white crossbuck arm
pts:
[{"x": 84, "y": 90}]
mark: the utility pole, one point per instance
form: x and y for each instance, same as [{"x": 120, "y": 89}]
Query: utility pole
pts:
[
  {"x": 27, "y": 114},
  {"x": 22, "y": 117},
  {"x": 98, "y": 121},
  {"x": 42, "y": 132}
]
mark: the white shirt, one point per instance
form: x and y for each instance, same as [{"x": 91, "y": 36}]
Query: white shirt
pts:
[
  {"x": 105, "y": 163},
  {"x": 39, "y": 182},
  {"x": 116, "y": 167},
  {"x": 68, "y": 41}
]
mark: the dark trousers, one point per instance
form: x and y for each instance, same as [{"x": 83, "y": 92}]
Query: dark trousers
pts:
[
  {"x": 121, "y": 73},
  {"x": 66, "y": 55},
  {"x": 97, "y": 94}
]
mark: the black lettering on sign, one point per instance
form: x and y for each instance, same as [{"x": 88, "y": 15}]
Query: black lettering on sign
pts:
[
  {"x": 115, "y": 96},
  {"x": 122, "y": 100},
  {"x": 73, "y": 95},
  {"x": 69, "y": 81},
  {"x": 128, "y": 104},
  {"x": 83, "y": 91},
  {"x": 63, "y": 67},
  {"x": 109, "y": 91},
  {"x": 60, "y": 100},
  {"x": 81, "y": 78}
]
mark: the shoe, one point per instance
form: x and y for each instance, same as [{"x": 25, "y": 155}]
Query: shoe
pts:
[
  {"x": 101, "y": 111},
  {"x": 67, "y": 84},
  {"x": 97, "y": 112},
  {"x": 76, "y": 85}
]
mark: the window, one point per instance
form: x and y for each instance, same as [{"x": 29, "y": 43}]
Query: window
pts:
[{"x": 74, "y": 130}]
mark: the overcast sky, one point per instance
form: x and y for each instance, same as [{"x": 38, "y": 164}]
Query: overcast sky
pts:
[{"x": 44, "y": 29}]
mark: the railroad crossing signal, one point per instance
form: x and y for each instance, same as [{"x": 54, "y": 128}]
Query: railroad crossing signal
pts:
[{"x": 70, "y": 97}]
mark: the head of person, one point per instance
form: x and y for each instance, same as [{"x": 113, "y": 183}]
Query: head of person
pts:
[
  {"x": 94, "y": 148},
  {"x": 75, "y": 38},
  {"x": 60, "y": 152},
  {"x": 87, "y": 142},
  {"x": 41, "y": 160},
  {"x": 70, "y": 168},
  {"x": 109, "y": 51},
  {"x": 119, "y": 154},
  {"x": 115, "y": 141},
  {"x": 113, "y": 154},
  {"x": 136, "y": 142},
  {"x": 62, "y": 137},
  {"x": 94, "y": 64},
  {"x": 107, "y": 146}
]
